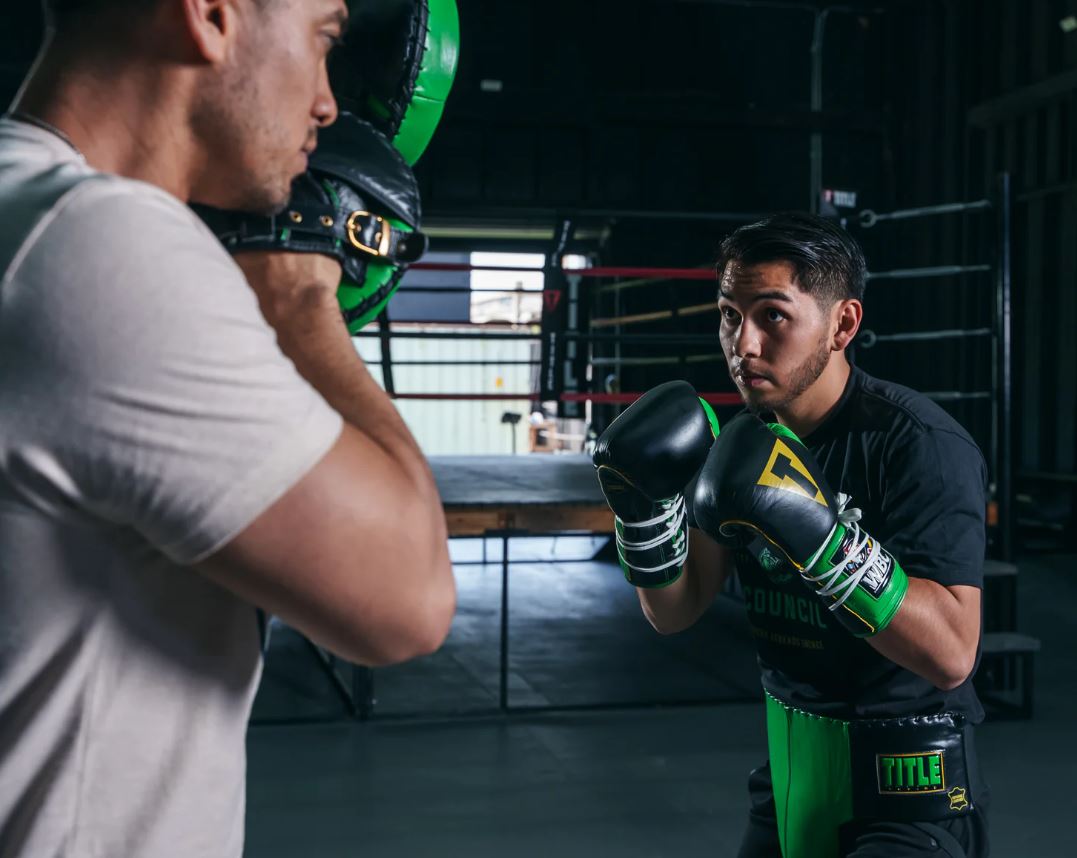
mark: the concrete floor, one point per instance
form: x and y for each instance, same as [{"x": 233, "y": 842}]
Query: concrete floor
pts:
[{"x": 634, "y": 782}]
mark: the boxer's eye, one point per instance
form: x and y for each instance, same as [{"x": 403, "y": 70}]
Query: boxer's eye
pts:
[{"x": 775, "y": 315}]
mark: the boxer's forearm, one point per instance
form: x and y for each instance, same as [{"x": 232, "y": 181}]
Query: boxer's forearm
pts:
[
  {"x": 935, "y": 633},
  {"x": 677, "y": 606}
]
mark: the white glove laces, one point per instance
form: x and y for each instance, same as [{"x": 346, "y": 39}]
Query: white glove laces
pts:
[
  {"x": 672, "y": 523},
  {"x": 831, "y": 578}
]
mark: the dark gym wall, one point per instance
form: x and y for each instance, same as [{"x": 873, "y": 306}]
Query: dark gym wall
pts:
[
  {"x": 993, "y": 87},
  {"x": 674, "y": 105},
  {"x": 1023, "y": 118}
]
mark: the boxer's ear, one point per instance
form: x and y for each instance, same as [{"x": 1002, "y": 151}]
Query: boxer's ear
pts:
[{"x": 845, "y": 318}]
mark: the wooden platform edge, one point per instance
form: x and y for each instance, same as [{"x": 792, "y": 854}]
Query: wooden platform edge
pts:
[{"x": 545, "y": 518}]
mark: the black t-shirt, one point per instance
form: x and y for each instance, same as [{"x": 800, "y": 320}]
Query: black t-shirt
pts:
[{"x": 920, "y": 481}]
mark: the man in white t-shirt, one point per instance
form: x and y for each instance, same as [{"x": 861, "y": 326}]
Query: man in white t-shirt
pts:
[{"x": 180, "y": 440}]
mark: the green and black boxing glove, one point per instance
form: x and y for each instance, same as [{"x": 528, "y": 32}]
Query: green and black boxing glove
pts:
[
  {"x": 644, "y": 460},
  {"x": 762, "y": 486}
]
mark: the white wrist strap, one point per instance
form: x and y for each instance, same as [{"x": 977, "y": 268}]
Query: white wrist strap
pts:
[
  {"x": 673, "y": 531},
  {"x": 831, "y": 578}
]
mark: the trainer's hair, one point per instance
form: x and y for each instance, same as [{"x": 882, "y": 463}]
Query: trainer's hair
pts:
[
  {"x": 829, "y": 264},
  {"x": 61, "y": 15}
]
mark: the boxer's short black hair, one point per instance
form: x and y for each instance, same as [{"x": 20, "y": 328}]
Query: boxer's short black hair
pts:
[{"x": 828, "y": 262}]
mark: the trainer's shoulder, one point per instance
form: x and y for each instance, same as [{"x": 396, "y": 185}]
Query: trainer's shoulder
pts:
[
  {"x": 116, "y": 252},
  {"x": 910, "y": 419},
  {"x": 106, "y": 227},
  {"x": 109, "y": 206}
]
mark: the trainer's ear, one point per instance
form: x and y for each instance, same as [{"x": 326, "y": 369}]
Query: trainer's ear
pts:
[
  {"x": 211, "y": 26},
  {"x": 845, "y": 322}
]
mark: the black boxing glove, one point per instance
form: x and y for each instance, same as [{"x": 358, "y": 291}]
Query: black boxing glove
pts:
[
  {"x": 644, "y": 460},
  {"x": 763, "y": 488}
]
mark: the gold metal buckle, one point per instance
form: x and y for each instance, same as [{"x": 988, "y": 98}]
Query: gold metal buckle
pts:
[{"x": 383, "y": 237}]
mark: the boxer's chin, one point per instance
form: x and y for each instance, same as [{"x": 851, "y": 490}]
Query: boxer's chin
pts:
[{"x": 759, "y": 403}]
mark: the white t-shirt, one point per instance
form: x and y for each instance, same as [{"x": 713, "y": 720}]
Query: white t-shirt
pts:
[{"x": 147, "y": 416}]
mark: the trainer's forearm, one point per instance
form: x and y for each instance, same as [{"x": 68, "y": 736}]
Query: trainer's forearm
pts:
[
  {"x": 297, "y": 296},
  {"x": 311, "y": 332}
]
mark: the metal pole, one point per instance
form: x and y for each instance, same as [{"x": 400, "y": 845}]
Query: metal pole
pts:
[
  {"x": 437, "y": 335},
  {"x": 816, "y": 144},
  {"x": 503, "y": 683},
  {"x": 328, "y": 664},
  {"x": 565, "y": 356},
  {"x": 1004, "y": 478},
  {"x": 869, "y": 339},
  {"x": 959, "y": 395},
  {"x": 931, "y": 271},
  {"x": 488, "y": 215},
  {"x": 657, "y": 361},
  {"x": 386, "y": 336},
  {"x": 656, "y": 339},
  {"x": 869, "y": 218}
]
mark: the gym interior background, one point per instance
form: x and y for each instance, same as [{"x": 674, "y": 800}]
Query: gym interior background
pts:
[{"x": 624, "y": 139}]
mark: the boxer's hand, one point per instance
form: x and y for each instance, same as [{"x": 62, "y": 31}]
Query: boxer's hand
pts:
[{"x": 643, "y": 460}]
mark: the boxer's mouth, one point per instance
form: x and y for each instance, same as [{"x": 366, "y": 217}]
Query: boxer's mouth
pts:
[{"x": 751, "y": 378}]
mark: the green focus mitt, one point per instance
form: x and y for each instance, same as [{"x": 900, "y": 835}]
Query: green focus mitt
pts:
[{"x": 397, "y": 66}]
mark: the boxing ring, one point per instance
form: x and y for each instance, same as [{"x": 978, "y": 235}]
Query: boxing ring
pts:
[{"x": 585, "y": 323}]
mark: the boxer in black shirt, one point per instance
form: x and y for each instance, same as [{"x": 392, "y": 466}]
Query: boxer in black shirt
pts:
[{"x": 867, "y": 645}]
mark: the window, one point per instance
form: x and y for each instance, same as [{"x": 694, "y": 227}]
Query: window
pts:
[{"x": 502, "y": 296}]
